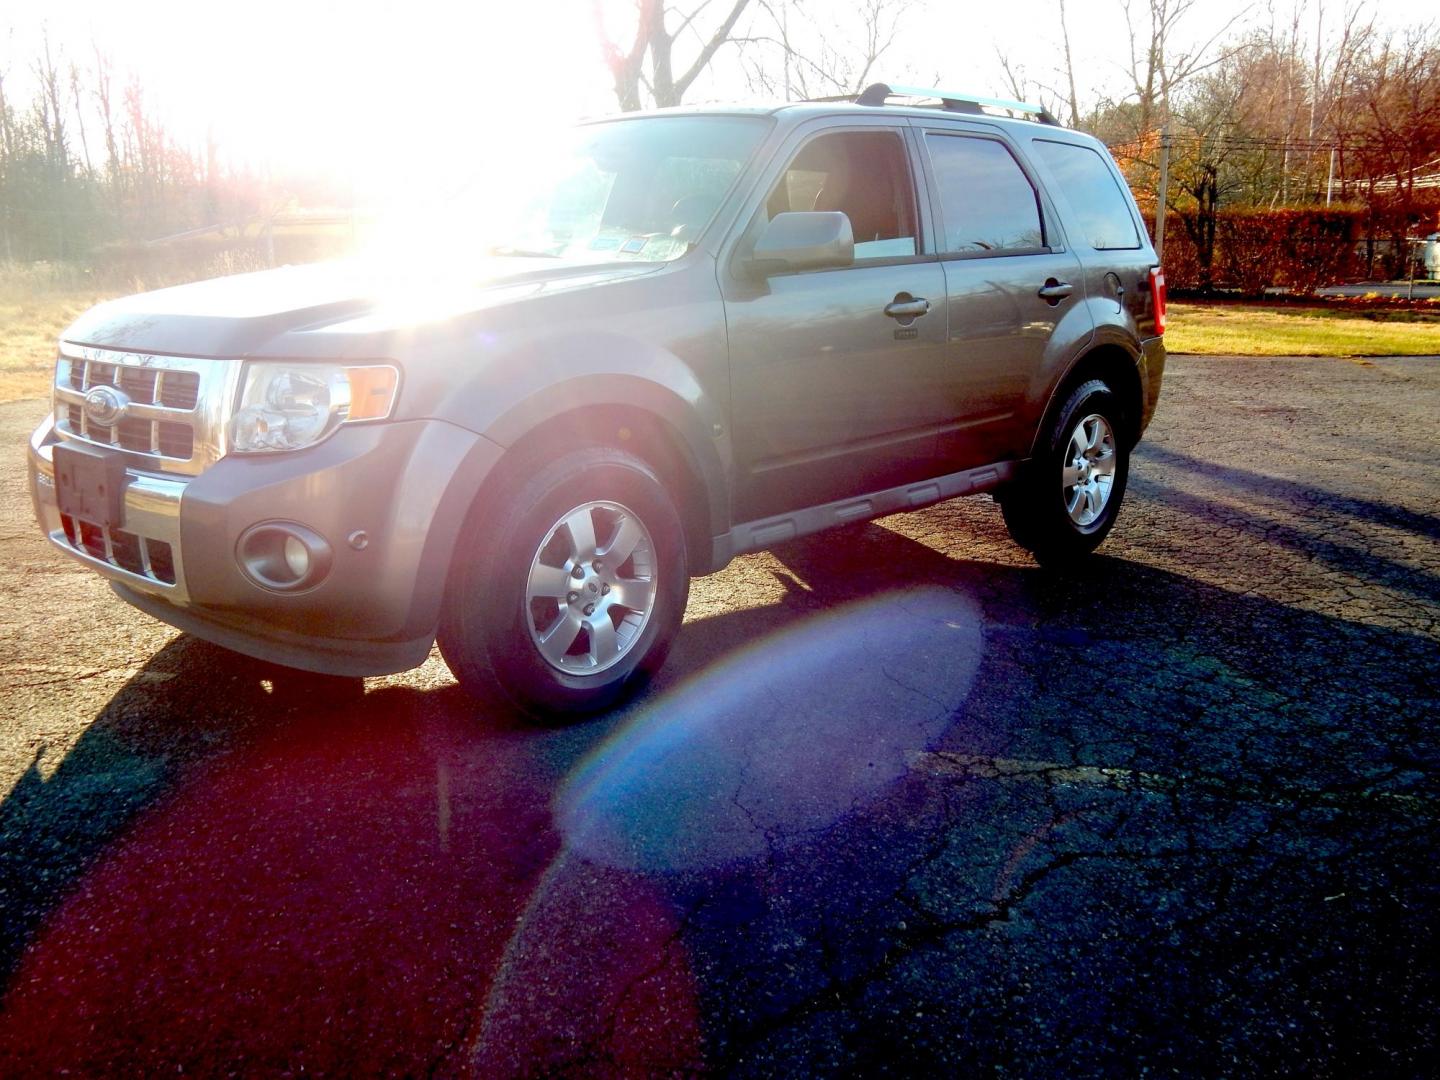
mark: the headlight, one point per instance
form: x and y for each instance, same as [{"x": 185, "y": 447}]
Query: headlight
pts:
[{"x": 287, "y": 406}]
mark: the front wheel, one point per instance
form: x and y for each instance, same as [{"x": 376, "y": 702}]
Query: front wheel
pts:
[
  {"x": 571, "y": 588},
  {"x": 1067, "y": 498}
]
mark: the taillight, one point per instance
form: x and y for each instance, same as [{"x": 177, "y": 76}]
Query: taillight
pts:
[{"x": 1157, "y": 296}]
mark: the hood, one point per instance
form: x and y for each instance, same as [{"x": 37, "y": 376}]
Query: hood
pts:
[{"x": 263, "y": 313}]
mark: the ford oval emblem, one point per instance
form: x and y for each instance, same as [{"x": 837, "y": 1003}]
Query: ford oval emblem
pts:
[{"x": 104, "y": 405}]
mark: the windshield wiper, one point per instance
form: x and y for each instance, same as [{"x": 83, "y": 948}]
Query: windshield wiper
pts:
[{"x": 507, "y": 251}]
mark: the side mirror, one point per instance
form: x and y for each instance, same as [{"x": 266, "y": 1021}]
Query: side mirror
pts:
[{"x": 804, "y": 240}]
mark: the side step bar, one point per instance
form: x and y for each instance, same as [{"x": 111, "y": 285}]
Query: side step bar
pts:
[{"x": 767, "y": 532}]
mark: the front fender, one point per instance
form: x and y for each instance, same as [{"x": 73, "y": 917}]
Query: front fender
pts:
[{"x": 576, "y": 372}]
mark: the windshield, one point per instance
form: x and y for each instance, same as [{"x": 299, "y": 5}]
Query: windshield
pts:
[{"x": 640, "y": 189}]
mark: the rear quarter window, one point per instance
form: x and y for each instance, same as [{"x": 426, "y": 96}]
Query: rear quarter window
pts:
[{"x": 1100, "y": 208}]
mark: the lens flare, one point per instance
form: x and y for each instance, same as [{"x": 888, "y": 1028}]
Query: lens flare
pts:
[{"x": 780, "y": 740}]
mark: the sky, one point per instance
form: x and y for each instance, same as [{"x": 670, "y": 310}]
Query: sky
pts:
[
  {"x": 326, "y": 82},
  {"x": 383, "y": 89}
]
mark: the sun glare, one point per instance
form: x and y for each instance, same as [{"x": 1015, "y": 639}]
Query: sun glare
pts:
[{"x": 383, "y": 94}]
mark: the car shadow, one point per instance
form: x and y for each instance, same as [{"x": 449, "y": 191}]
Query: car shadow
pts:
[
  {"x": 238, "y": 863},
  {"x": 1293, "y": 495},
  {"x": 1298, "y": 517}
]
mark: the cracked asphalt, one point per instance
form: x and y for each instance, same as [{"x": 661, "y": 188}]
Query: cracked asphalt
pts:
[{"x": 900, "y": 802}]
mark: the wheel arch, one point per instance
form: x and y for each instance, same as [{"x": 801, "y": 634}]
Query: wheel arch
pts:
[
  {"x": 644, "y": 432},
  {"x": 1118, "y": 368},
  {"x": 487, "y": 473}
]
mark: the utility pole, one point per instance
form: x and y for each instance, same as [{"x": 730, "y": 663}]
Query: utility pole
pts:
[
  {"x": 1162, "y": 198},
  {"x": 1330, "y": 183}
]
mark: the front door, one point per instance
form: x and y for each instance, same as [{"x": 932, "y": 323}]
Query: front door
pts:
[{"x": 839, "y": 376}]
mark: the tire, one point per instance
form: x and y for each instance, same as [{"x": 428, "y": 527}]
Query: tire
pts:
[
  {"x": 1067, "y": 497},
  {"x": 530, "y": 593}
]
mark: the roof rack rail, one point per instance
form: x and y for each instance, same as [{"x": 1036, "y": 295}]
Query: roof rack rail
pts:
[{"x": 879, "y": 93}]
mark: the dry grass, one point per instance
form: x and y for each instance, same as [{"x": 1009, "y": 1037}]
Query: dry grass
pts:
[
  {"x": 1244, "y": 330},
  {"x": 35, "y": 306},
  {"x": 37, "y": 301}
]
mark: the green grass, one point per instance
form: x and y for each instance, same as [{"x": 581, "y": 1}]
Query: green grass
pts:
[{"x": 1245, "y": 330}]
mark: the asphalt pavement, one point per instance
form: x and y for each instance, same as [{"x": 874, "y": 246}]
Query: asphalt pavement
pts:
[{"x": 900, "y": 802}]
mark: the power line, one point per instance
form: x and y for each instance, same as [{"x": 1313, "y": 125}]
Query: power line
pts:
[
  {"x": 1417, "y": 175},
  {"x": 1258, "y": 142}
]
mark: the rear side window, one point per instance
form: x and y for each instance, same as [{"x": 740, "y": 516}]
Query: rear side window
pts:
[
  {"x": 987, "y": 201},
  {"x": 1101, "y": 209}
]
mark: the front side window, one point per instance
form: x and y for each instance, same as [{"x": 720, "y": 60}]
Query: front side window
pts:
[
  {"x": 1101, "y": 208},
  {"x": 987, "y": 201},
  {"x": 866, "y": 176}
]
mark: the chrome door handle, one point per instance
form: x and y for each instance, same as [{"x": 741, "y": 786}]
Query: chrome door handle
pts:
[
  {"x": 910, "y": 308},
  {"x": 1054, "y": 291}
]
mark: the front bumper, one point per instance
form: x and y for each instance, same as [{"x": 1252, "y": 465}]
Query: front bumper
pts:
[
  {"x": 405, "y": 486},
  {"x": 152, "y": 563}
]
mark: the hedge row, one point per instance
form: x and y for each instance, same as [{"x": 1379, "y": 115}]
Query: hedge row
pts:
[{"x": 1252, "y": 250}]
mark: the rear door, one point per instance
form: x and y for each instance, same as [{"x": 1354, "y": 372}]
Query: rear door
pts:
[
  {"x": 1107, "y": 229},
  {"x": 1011, "y": 282},
  {"x": 832, "y": 394}
]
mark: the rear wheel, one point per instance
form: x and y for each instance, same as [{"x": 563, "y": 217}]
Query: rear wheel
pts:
[
  {"x": 1066, "y": 500},
  {"x": 571, "y": 588}
]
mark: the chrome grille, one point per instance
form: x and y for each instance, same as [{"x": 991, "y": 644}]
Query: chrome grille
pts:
[
  {"x": 173, "y": 418},
  {"x": 144, "y": 556}
]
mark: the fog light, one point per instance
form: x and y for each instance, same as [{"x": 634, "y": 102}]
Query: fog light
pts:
[{"x": 283, "y": 556}]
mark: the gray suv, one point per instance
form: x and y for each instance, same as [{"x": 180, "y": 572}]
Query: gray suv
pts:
[{"x": 686, "y": 335}]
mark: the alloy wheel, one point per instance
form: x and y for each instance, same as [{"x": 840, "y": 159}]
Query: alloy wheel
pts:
[
  {"x": 591, "y": 588},
  {"x": 1088, "y": 476}
]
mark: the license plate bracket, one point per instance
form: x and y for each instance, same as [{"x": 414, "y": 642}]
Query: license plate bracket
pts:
[{"x": 90, "y": 484}]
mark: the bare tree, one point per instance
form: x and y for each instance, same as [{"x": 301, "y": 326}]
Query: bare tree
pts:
[
  {"x": 1158, "y": 64},
  {"x": 103, "y": 79},
  {"x": 1023, "y": 85},
  {"x": 79, "y": 114},
  {"x": 1297, "y": 96},
  {"x": 7, "y": 133},
  {"x": 1073, "y": 99},
  {"x": 1335, "y": 75},
  {"x": 7, "y": 157},
  {"x": 50, "y": 111},
  {"x": 140, "y": 158},
  {"x": 796, "y": 53},
  {"x": 1017, "y": 83},
  {"x": 1207, "y": 165},
  {"x": 1397, "y": 132},
  {"x": 658, "y": 31},
  {"x": 61, "y": 198}
]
